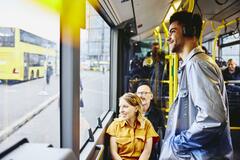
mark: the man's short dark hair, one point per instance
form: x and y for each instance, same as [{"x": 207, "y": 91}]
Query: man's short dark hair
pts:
[
  {"x": 230, "y": 60},
  {"x": 144, "y": 82},
  {"x": 155, "y": 44},
  {"x": 191, "y": 23}
]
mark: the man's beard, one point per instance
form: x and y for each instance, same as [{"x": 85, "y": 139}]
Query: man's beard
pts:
[{"x": 176, "y": 49}]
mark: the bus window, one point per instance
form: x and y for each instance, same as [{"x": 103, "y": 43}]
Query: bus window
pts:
[
  {"x": 231, "y": 52},
  {"x": 209, "y": 46},
  {"x": 6, "y": 37},
  {"x": 29, "y": 106},
  {"x": 230, "y": 49},
  {"x": 36, "y": 59},
  {"x": 94, "y": 71}
]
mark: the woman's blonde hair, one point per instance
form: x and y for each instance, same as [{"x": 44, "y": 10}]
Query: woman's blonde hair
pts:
[{"x": 134, "y": 101}]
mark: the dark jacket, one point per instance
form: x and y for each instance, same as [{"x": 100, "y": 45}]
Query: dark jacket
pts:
[
  {"x": 156, "y": 117},
  {"x": 231, "y": 76}
]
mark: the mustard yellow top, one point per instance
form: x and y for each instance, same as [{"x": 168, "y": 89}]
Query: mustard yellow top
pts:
[{"x": 131, "y": 141}]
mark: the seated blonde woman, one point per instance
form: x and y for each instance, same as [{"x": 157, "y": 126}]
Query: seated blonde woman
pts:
[{"x": 131, "y": 135}]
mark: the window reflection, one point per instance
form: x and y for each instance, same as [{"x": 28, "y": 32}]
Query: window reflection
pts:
[
  {"x": 94, "y": 75},
  {"x": 29, "y": 106}
]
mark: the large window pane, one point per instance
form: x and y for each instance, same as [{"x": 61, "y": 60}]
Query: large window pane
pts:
[
  {"x": 232, "y": 52},
  {"x": 29, "y": 74},
  {"x": 94, "y": 75}
]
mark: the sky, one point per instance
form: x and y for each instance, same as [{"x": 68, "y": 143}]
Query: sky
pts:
[{"x": 31, "y": 17}]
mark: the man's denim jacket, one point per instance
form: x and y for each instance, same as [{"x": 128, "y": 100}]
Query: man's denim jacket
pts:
[{"x": 198, "y": 121}]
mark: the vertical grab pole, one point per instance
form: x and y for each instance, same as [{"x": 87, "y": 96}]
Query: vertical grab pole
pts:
[
  {"x": 201, "y": 35},
  {"x": 190, "y": 5},
  {"x": 170, "y": 79},
  {"x": 165, "y": 35},
  {"x": 217, "y": 32},
  {"x": 214, "y": 52}
]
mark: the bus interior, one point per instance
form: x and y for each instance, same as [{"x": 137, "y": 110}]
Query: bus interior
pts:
[{"x": 92, "y": 73}]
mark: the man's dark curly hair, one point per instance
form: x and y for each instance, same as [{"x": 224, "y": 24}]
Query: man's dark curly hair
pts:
[{"x": 188, "y": 19}]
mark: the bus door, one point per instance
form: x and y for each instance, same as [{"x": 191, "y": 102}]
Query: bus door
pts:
[{"x": 26, "y": 65}]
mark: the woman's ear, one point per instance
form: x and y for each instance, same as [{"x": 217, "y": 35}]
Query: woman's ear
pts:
[{"x": 136, "y": 109}]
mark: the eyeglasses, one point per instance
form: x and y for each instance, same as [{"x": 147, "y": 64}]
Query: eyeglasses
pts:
[{"x": 143, "y": 93}]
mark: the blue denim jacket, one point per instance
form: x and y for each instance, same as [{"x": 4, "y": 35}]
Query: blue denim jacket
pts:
[{"x": 198, "y": 122}]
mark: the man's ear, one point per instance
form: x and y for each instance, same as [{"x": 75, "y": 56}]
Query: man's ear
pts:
[{"x": 151, "y": 96}]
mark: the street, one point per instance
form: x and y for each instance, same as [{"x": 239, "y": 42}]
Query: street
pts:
[{"x": 20, "y": 100}]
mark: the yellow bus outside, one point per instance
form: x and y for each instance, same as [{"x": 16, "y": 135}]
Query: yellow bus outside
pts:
[{"x": 23, "y": 55}]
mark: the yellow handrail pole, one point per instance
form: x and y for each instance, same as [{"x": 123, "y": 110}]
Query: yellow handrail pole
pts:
[
  {"x": 213, "y": 26},
  {"x": 217, "y": 32},
  {"x": 165, "y": 30},
  {"x": 185, "y": 4},
  {"x": 190, "y": 6},
  {"x": 201, "y": 35},
  {"x": 170, "y": 59},
  {"x": 214, "y": 51},
  {"x": 160, "y": 39},
  {"x": 170, "y": 79},
  {"x": 174, "y": 8},
  {"x": 155, "y": 35},
  {"x": 229, "y": 23},
  {"x": 235, "y": 128},
  {"x": 175, "y": 76}
]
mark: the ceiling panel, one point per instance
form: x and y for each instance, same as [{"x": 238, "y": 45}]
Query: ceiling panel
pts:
[
  {"x": 214, "y": 11},
  {"x": 123, "y": 9},
  {"x": 119, "y": 10},
  {"x": 149, "y": 13},
  {"x": 143, "y": 35}
]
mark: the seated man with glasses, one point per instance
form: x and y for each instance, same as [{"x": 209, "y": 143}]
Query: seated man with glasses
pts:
[
  {"x": 232, "y": 73},
  {"x": 153, "y": 113}
]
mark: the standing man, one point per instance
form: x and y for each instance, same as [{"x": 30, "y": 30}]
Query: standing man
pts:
[
  {"x": 152, "y": 113},
  {"x": 49, "y": 72},
  {"x": 198, "y": 122},
  {"x": 157, "y": 73},
  {"x": 81, "y": 98}
]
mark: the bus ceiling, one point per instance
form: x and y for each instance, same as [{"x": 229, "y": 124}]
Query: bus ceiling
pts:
[
  {"x": 217, "y": 13},
  {"x": 145, "y": 15}
]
